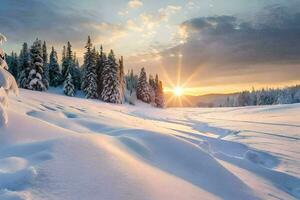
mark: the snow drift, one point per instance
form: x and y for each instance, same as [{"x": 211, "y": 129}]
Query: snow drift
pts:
[
  {"x": 58, "y": 147},
  {"x": 7, "y": 84}
]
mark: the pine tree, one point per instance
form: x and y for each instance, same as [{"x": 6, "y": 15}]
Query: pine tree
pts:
[
  {"x": 67, "y": 60},
  {"x": 297, "y": 95},
  {"x": 244, "y": 99},
  {"x": 122, "y": 79},
  {"x": 45, "y": 59},
  {"x": 55, "y": 75},
  {"x": 69, "y": 88},
  {"x": 12, "y": 62},
  {"x": 143, "y": 91},
  {"x": 152, "y": 82},
  {"x": 64, "y": 62},
  {"x": 100, "y": 66},
  {"x": 24, "y": 67},
  {"x": 37, "y": 79},
  {"x": 131, "y": 82},
  {"x": 159, "y": 93},
  {"x": 111, "y": 84},
  {"x": 76, "y": 72},
  {"x": 153, "y": 87},
  {"x": 90, "y": 79}
]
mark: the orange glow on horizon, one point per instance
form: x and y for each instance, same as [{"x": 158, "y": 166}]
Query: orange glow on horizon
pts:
[{"x": 226, "y": 89}]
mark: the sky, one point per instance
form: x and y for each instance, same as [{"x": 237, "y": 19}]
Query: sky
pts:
[{"x": 205, "y": 46}]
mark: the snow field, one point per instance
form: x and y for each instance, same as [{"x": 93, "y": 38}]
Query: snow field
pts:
[{"x": 58, "y": 147}]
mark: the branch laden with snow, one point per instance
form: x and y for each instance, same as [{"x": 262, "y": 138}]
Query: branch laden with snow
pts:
[{"x": 7, "y": 84}]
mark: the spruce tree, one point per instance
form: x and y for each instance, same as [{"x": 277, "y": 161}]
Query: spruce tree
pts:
[
  {"x": 143, "y": 91},
  {"x": 76, "y": 72},
  {"x": 37, "y": 79},
  {"x": 45, "y": 59},
  {"x": 130, "y": 92},
  {"x": 152, "y": 82},
  {"x": 24, "y": 67},
  {"x": 122, "y": 78},
  {"x": 69, "y": 88},
  {"x": 111, "y": 91},
  {"x": 12, "y": 62},
  {"x": 64, "y": 63},
  {"x": 90, "y": 79},
  {"x": 100, "y": 66},
  {"x": 153, "y": 87},
  {"x": 131, "y": 82},
  {"x": 67, "y": 61},
  {"x": 55, "y": 75},
  {"x": 159, "y": 93}
]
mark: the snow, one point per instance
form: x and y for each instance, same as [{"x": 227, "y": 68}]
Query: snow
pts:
[
  {"x": 7, "y": 84},
  {"x": 59, "y": 147},
  {"x": 2, "y": 39}
]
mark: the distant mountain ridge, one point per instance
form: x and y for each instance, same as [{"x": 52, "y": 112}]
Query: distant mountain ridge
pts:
[{"x": 207, "y": 100}]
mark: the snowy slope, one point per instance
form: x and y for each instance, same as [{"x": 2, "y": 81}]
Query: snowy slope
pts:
[{"x": 58, "y": 147}]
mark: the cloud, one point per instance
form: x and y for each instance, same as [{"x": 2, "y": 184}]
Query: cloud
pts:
[
  {"x": 135, "y": 4},
  {"x": 265, "y": 41},
  {"x": 109, "y": 33},
  {"x": 224, "y": 49},
  {"x": 24, "y": 20},
  {"x": 151, "y": 21},
  {"x": 165, "y": 13}
]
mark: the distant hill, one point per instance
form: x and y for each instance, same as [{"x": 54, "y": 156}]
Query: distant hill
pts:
[{"x": 208, "y": 100}]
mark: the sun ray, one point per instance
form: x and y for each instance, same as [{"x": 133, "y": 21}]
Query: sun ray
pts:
[
  {"x": 179, "y": 66},
  {"x": 191, "y": 77},
  {"x": 165, "y": 74}
]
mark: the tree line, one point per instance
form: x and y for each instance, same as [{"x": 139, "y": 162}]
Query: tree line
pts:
[
  {"x": 100, "y": 77},
  {"x": 265, "y": 96}
]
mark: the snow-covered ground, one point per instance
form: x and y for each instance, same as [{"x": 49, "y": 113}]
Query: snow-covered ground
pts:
[{"x": 63, "y": 148}]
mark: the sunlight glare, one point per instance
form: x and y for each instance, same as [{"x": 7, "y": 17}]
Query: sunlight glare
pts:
[{"x": 178, "y": 91}]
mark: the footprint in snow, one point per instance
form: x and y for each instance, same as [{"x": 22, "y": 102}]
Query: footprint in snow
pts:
[
  {"x": 70, "y": 115},
  {"x": 17, "y": 170}
]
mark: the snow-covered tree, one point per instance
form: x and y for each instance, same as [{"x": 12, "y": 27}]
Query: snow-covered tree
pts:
[
  {"x": 159, "y": 95},
  {"x": 131, "y": 81},
  {"x": 24, "y": 67},
  {"x": 244, "y": 99},
  {"x": 152, "y": 82},
  {"x": 90, "y": 77},
  {"x": 7, "y": 84},
  {"x": 143, "y": 90},
  {"x": 297, "y": 95},
  {"x": 284, "y": 97},
  {"x": 153, "y": 87},
  {"x": 111, "y": 91},
  {"x": 130, "y": 91},
  {"x": 55, "y": 75},
  {"x": 37, "y": 79},
  {"x": 159, "y": 92},
  {"x": 76, "y": 73},
  {"x": 69, "y": 88},
  {"x": 67, "y": 60}
]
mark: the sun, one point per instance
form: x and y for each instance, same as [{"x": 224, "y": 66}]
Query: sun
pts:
[{"x": 178, "y": 91}]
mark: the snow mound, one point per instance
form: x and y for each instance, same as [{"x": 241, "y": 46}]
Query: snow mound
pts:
[
  {"x": 7, "y": 84},
  {"x": 57, "y": 147}
]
